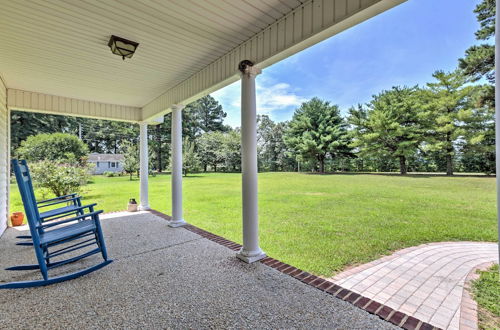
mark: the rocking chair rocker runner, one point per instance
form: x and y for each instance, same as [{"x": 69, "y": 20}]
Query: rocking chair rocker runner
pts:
[{"x": 83, "y": 228}]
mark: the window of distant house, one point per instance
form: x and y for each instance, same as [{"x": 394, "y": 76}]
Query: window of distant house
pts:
[
  {"x": 97, "y": 164},
  {"x": 109, "y": 164},
  {"x": 113, "y": 164}
]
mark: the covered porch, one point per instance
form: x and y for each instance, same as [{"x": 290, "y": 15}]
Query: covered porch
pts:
[
  {"x": 56, "y": 60},
  {"x": 167, "y": 273},
  {"x": 163, "y": 277}
]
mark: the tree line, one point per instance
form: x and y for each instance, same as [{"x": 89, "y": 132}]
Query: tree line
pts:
[{"x": 446, "y": 125}]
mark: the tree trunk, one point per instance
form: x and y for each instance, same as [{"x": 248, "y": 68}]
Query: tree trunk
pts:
[
  {"x": 322, "y": 165},
  {"x": 205, "y": 167},
  {"x": 449, "y": 150},
  {"x": 402, "y": 165},
  {"x": 449, "y": 165},
  {"x": 215, "y": 167}
]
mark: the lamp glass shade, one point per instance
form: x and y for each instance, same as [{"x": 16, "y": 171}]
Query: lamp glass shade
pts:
[{"x": 122, "y": 47}]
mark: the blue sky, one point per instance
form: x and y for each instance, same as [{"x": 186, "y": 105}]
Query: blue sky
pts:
[{"x": 402, "y": 46}]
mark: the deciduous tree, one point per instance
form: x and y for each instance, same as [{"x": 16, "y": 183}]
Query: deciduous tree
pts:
[{"x": 57, "y": 147}]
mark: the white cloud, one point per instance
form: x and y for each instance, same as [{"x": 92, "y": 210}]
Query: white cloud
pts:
[
  {"x": 280, "y": 96},
  {"x": 272, "y": 97}
]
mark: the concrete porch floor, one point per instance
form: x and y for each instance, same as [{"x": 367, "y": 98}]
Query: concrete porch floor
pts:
[{"x": 163, "y": 277}]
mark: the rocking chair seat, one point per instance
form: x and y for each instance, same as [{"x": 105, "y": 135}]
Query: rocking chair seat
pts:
[
  {"x": 67, "y": 232},
  {"x": 58, "y": 211}
]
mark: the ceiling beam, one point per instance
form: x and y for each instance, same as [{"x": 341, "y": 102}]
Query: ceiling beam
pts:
[{"x": 58, "y": 105}]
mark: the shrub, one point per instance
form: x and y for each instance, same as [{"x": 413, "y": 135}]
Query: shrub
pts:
[
  {"x": 110, "y": 174},
  {"x": 60, "y": 178},
  {"x": 60, "y": 147}
]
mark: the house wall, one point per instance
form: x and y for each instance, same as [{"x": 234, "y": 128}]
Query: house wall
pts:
[
  {"x": 4, "y": 157},
  {"x": 103, "y": 167}
]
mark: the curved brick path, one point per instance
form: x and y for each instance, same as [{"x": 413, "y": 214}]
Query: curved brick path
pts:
[{"x": 425, "y": 281}]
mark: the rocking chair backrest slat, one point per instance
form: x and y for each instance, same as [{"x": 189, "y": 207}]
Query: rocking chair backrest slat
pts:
[{"x": 23, "y": 179}]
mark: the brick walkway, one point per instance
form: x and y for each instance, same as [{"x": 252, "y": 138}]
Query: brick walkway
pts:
[{"x": 425, "y": 281}]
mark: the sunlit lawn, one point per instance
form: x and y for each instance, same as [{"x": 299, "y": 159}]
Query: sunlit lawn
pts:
[{"x": 323, "y": 223}]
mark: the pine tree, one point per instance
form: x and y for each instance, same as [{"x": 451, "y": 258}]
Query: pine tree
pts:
[
  {"x": 448, "y": 102},
  {"x": 477, "y": 146},
  {"x": 479, "y": 60},
  {"x": 390, "y": 126},
  {"x": 209, "y": 115},
  {"x": 316, "y": 131}
]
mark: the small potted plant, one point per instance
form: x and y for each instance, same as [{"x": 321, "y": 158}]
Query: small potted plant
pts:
[
  {"x": 17, "y": 218},
  {"x": 132, "y": 205}
]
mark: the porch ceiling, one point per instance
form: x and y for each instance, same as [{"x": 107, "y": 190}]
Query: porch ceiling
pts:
[{"x": 187, "y": 48}]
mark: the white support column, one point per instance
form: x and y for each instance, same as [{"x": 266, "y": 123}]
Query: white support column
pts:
[
  {"x": 144, "y": 162},
  {"x": 497, "y": 113},
  {"x": 176, "y": 133},
  {"x": 250, "y": 252}
]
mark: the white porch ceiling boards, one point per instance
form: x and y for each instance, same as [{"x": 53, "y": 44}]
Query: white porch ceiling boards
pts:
[
  {"x": 306, "y": 25},
  {"x": 188, "y": 48},
  {"x": 60, "y": 47}
]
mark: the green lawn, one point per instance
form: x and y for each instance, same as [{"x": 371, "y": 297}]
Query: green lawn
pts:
[
  {"x": 323, "y": 223},
  {"x": 486, "y": 291}
]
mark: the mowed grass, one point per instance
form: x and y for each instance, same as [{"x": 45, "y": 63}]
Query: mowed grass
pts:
[
  {"x": 323, "y": 223},
  {"x": 486, "y": 291}
]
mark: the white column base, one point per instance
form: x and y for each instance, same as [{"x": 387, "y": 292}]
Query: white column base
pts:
[
  {"x": 144, "y": 208},
  {"x": 177, "y": 223},
  {"x": 250, "y": 256}
]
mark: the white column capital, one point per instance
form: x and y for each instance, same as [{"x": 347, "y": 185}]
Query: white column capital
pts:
[
  {"x": 143, "y": 123},
  {"x": 177, "y": 107},
  {"x": 251, "y": 71},
  {"x": 248, "y": 69}
]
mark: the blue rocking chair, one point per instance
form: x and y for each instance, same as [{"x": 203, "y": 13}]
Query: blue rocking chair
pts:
[
  {"x": 73, "y": 206},
  {"x": 49, "y": 237}
]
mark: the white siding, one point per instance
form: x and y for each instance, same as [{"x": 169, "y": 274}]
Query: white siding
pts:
[
  {"x": 37, "y": 102},
  {"x": 4, "y": 157},
  {"x": 106, "y": 167},
  {"x": 306, "y": 25}
]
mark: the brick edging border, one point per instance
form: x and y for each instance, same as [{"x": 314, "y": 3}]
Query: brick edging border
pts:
[
  {"x": 371, "y": 306},
  {"x": 468, "y": 306}
]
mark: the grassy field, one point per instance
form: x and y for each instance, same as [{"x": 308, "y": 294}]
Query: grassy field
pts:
[{"x": 323, "y": 223}]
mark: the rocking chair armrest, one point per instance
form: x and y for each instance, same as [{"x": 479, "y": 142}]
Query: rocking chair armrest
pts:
[
  {"x": 83, "y": 216},
  {"x": 60, "y": 201},
  {"x": 65, "y": 212},
  {"x": 57, "y": 198}
]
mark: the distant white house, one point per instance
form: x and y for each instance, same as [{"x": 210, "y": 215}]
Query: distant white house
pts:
[{"x": 106, "y": 162}]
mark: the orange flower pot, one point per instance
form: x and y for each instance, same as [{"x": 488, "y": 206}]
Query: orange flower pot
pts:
[{"x": 17, "y": 218}]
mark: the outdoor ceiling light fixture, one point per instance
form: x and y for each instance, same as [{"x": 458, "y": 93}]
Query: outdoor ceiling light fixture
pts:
[{"x": 122, "y": 47}]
